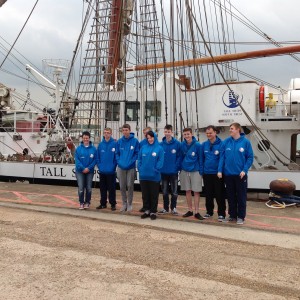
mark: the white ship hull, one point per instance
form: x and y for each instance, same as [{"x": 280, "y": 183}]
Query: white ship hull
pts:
[{"x": 63, "y": 174}]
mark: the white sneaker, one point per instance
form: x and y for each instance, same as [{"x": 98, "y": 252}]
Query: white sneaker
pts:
[
  {"x": 174, "y": 212},
  {"x": 221, "y": 218},
  {"x": 239, "y": 221},
  {"x": 163, "y": 212},
  {"x": 123, "y": 208},
  {"x": 129, "y": 208}
]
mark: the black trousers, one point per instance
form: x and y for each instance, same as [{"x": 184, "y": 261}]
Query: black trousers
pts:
[
  {"x": 214, "y": 188},
  {"x": 108, "y": 185},
  {"x": 150, "y": 192},
  {"x": 237, "y": 195}
]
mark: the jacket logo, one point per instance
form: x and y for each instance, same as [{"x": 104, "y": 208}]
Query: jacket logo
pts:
[
  {"x": 241, "y": 149},
  {"x": 173, "y": 151},
  {"x": 193, "y": 153},
  {"x": 216, "y": 152},
  {"x": 113, "y": 149},
  {"x": 131, "y": 147},
  {"x": 153, "y": 153},
  {"x": 92, "y": 155}
]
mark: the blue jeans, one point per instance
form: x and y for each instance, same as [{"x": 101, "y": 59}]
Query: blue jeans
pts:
[
  {"x": 172, "y": 181},
  {"x": 84, "y": 182}
]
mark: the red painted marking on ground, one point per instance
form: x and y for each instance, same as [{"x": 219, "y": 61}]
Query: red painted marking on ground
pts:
[
  {"x": 30, "y": 193},
  {"x": 53, "y": 204},
  {"x": 65, "y": 199},
  {"x": 275, "y": 217},
  {"x": 25, "y": 199},
  {"x": 37, "y": 203},
  {"x": 258, "y": 223},
  {"x": 11, "y": 200}
]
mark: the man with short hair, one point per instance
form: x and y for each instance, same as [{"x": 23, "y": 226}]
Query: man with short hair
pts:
[
  {"x": 126, "y": 154},
  {"x": 190, "y": 178},
  {"x": 235, "y": 161},
  {"x": 107, "y": 163},
  {"x": 214, "y": 186},
  {"x": 169, "y": 171}
]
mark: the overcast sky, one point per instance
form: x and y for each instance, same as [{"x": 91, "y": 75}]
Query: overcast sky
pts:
[{"x": 54, "y": 27}]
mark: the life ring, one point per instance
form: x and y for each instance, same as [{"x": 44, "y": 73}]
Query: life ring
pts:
[{"x": 261, "y": 99}]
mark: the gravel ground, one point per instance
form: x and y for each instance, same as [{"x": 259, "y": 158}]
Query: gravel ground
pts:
[{"x": 48, "y": 256}]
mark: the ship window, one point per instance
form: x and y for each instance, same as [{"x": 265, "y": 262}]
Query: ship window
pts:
[
  {"x": 132, "y": 111},
  {"x": 113, "y": 111},
  {"x": 153, "y": 111}
]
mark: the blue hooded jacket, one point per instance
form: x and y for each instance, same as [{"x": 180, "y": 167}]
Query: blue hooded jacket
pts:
[
  {"x": 106, "y": 156},
  {"x": 150, "y": 161},
  {"x": 236, "y": 156},
  {"x": 85, "y": 157},
  {"x": 172, "y": 158},
  {"x": 143, "y": 142},
  {"x": 127, "y": 152},
  {"x": 210, "y": 156},
  {"x": 191, "y": 156}
]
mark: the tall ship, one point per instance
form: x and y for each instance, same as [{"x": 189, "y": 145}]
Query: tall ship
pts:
[{"x": 150, "y": 63}]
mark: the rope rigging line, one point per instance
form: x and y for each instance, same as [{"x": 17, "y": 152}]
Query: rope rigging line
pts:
[
  {"x": 19, "y": 34},
  {"x": 233, "y": 36},
  {"x": 19, "y": 53},
  {"x": 261, "y": 134},
  {"x": 16, "y": 141},
  {"x": 254, "y": 28},
  {"x": 164, "y": 59}
]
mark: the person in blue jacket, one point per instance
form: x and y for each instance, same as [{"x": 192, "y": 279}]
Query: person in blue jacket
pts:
[
  {"x": 85, "y": 160},
  {"x": 169, "y": 171},
  {"x": 126, "y": 154},
  {"x": 235, "y": 161},
  {"x": 107, "y": 163},
  {"x": 150, "y": 162},
  {"x": 214, "y": 186},
  {"x": 145, "y": 141},
  {"x": 190, "y": 178},
  {"x": 142, "y": 143}
]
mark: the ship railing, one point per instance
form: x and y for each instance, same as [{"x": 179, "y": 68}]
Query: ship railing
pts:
[
  {"x": 55, "y": 125},
  {"x": 19, "y": 121},
  {"x": 281, "y": 111}
]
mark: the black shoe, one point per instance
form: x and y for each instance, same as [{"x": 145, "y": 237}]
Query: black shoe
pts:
[
  {"x": 142, "y": 209},
  {"x": 153, "y": 216},
  {"x": 101, "y": 206},
  {"x": 198, "y": 216},
  {"x": 113, "y": 207},
  {"x": 188, "y": 214},
  {"x": 145, "y": 215}
]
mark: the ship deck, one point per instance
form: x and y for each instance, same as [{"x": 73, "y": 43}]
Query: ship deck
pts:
[{"x": 52, "y": 198}]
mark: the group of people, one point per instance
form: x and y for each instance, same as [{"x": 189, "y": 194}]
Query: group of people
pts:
[{"x": 223, "y": 165}]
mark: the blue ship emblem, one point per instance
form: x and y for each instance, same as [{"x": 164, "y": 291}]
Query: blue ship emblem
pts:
[{"x": 231, "y": 99}]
